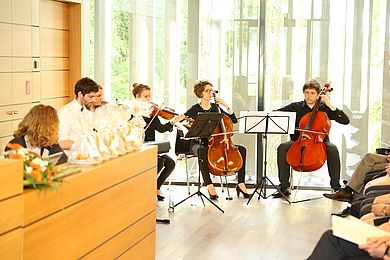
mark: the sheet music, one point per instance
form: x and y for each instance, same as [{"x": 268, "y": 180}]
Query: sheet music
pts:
[
  {"x": 280, "y": 122},
  {"x": 355, "y": 230}
]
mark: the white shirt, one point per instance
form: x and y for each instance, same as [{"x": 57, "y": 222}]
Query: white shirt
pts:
[{"x": 70, "y": 124}]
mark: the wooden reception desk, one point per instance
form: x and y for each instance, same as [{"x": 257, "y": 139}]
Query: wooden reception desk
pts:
[{"x": 104, "y": 211}]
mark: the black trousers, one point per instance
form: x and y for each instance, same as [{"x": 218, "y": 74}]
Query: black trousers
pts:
[
  {"x": 201, "y": 150},
  {"x": 333, "y": 161},
  {"x": 330, "y": 247},
  {"x": 165, "y": 167}
]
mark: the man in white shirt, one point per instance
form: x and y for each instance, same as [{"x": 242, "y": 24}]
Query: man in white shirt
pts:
[{"x": 70, "y": 129}]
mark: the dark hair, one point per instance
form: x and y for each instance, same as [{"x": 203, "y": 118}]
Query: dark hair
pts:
[
  {"x": 199, "y": 87},
  {"x": 312, "y": 84},
  {"x": 138, "y": 88},
  {"x": 85, "y": 86}
]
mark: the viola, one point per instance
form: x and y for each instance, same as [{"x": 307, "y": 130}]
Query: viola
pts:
[
  {"x": 224, "y": 158},
  {"x": 308, "y": 153}
]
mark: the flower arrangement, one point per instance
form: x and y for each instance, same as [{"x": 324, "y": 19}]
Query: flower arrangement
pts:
[{"x": 39, "y": 173}]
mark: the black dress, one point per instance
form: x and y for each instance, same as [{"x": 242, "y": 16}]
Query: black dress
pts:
[
  {"x": 53, "y": 149},
  {"x": 165, "y": 163},
  {"x": 200, "y": 149}
]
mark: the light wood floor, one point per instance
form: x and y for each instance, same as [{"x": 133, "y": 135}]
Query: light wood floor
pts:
[{"x": 264, "y": 229}]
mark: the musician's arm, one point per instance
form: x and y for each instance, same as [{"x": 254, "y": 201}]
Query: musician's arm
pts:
[
  {"x": 162, "y": 128},
  {"x": 338, "y": 115}
]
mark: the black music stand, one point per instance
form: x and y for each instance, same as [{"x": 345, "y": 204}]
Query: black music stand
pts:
[
  {"x": 259, "y": 122},
  {"x": 201, "y": 130}
]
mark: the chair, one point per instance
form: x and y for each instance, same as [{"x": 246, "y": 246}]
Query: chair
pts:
[
  {"x": 183, "y": 153},
  {"x": 296, "y": 187}
]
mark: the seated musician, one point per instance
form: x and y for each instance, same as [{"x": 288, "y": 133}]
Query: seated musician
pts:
[
  {"x": 165, "y": 163},
  {"x": 203, "y": 90},
  {"x": 38, "y": 132},
  {"x": 311, "y": 91}
]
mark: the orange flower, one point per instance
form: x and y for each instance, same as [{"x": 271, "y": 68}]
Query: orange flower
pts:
[
  {"x": 36, "y": 174},
  {"x": 15, "y": 146},
  {"x": 15, "y": 156}
]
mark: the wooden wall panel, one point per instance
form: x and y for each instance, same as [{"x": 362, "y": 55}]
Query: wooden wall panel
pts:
[
  {"x": 22, "y": 87},
  {"x": 11, "y": 213},
  {"x": 5, "y": 65},
  {"x": 139, "y": 250},
  {"x": 121, "y": 243},
  {"x": 21, "y": 11},
  {"x": 5, "y": 11},
  {"x": 38, "y": 205},
  {"x": 21, "y": 41},
  {"x": 22, "y": 64},
  {"x": 35, "y": 5},
  {"x": 55, "y": 15},
  {"x": 11, "y": 245},
  {"x": 3, "y": 142},
  {"x": 77, "y": 234},
  {"x": 6, "y": 89},
  {"x": 75, "y": 45},
  {"x": 6, "y": 113},
  {"x": 54, "y": 43},
  {"x": 6, "y": 42},
  {"x": 56, "y": 102},
  {"x": 54, "y": 84},
  {"x": 11, "y": 173},
  {"x": 21, "y": 110},
  {"x": 36, "y": 86},
  {"x": 54, "y": 64},
  {"x": 35, "y": 50},
  {"x": 6, "y": 129}
]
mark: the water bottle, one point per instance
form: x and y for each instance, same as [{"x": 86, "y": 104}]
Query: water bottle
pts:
[
  {"x": 171, "y": 202},
  {"x": 193, "y": 199}
]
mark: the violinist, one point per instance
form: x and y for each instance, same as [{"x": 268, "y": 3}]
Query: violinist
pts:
[
  {"x": 203, "y": 90},
  {"x": 165, "y": 163},
  {"x": 311, "y": 91}
]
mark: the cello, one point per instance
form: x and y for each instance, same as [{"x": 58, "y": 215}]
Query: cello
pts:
[
  {"x": 224, "y": 158},
  {"x": 308, "y": 152}
]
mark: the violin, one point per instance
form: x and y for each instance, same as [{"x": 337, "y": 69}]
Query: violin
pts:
[
  {"x": 224, "y": 158},
  {"x": 308, "y": 153},
  {"x": 166, "y": 113}
]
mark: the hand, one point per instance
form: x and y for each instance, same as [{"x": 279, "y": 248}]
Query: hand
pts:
[
  {"x": 378, "y": 209},
  {"x": 383, "y": 200},
  {"x": 385, "y": 227},
  {"x": 326, "y": 101},
  {"x": 178, "y": 118},
  {"x": 388, "y": 158},
  {"x": 220, "y": 101},
  {"x": 375, "y": 246}
]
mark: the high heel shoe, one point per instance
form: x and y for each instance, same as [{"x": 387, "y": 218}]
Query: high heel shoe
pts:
[
  {"x": 213, "y": 197},
  {"x": 238, "y": 190},
  {"x": 160, "y": 198}
]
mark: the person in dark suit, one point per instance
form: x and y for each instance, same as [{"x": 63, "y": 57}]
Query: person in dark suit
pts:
[
  {"x": 311, "y": 91},
  {"x": 38, "y": 132}
]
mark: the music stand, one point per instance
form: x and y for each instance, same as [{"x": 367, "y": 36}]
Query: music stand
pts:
[
  {"x": 202, "y": 128},
  {"x": 260, "y": 122}
]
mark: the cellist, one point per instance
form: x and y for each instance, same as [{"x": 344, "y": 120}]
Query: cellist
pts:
[
  {"x": 311, "y": 92},
  {"x": 203, "y": 90}
]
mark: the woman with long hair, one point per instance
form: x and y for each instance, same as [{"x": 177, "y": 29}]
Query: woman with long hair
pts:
[{"x": 38, "y": 132}]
